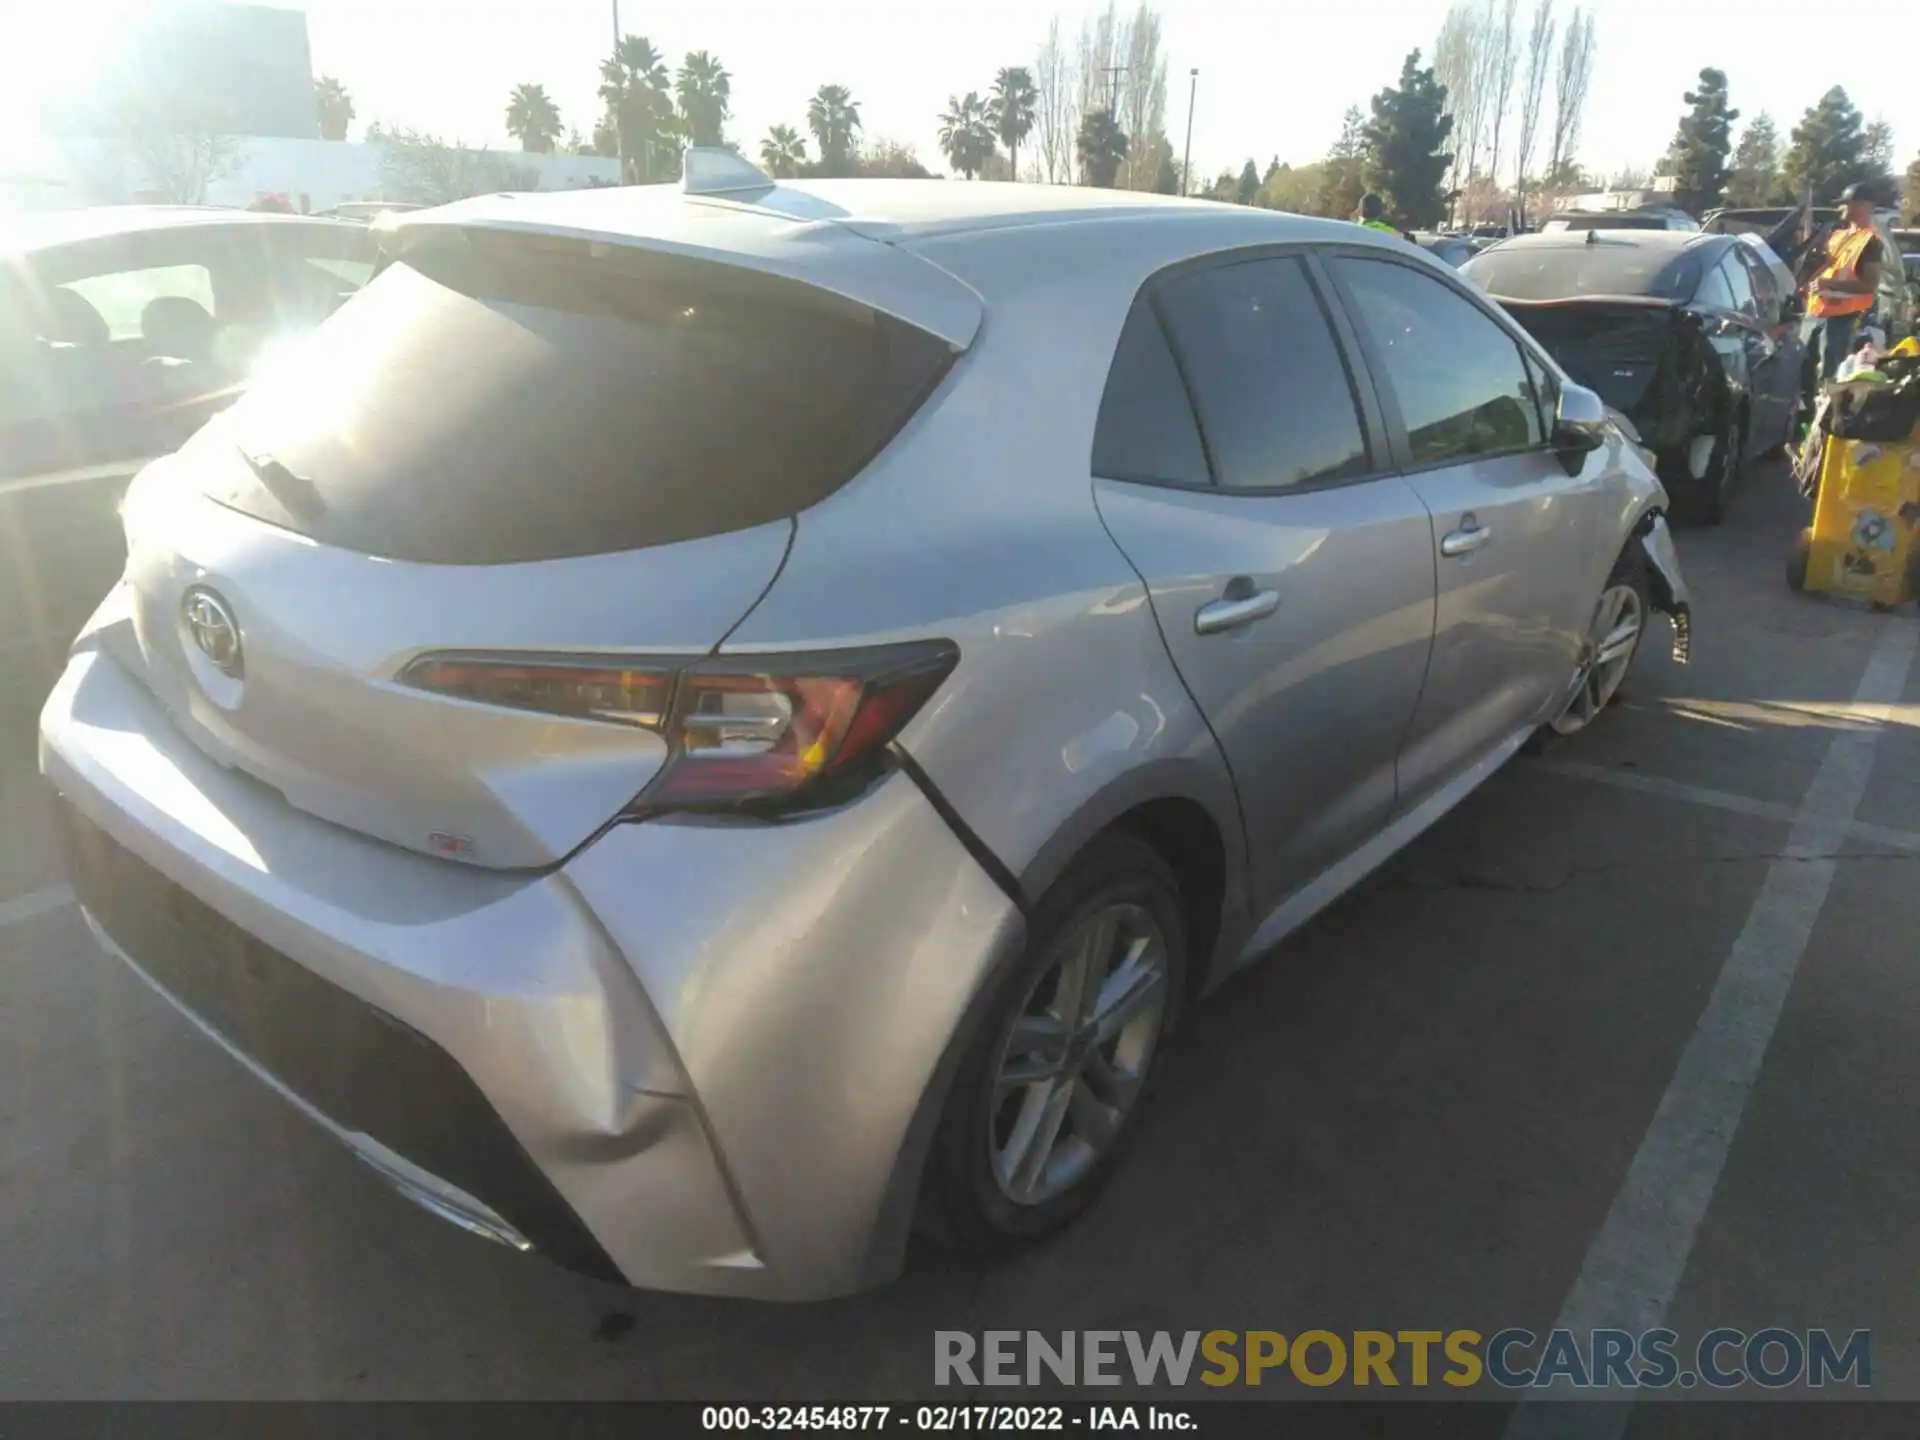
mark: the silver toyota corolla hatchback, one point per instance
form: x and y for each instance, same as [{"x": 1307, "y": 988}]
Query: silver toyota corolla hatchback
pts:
[{"x": 698, "y": 728}]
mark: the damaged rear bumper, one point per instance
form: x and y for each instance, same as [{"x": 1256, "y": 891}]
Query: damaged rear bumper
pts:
[{"x": 1669, "y": 586}]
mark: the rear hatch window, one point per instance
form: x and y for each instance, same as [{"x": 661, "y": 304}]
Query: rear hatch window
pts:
[
  {"x": 1568, "y": 272},
  {"x": 494, "y": 397}
]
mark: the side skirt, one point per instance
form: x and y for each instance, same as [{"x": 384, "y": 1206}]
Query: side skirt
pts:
[{"x": 1333, "y": 882}]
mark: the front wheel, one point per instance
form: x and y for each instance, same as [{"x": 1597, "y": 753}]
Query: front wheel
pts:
[
  {"x": 1052, "y": 1087},
  {"x": 1619, "y": 622}
]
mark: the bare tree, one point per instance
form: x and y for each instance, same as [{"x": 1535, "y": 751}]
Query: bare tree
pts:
[
  {"x": 1502, "y": 60},
  {"x": 179, "y": 166},
  {"x": 1456, "y": 55},
  {"x": 1056, "y": 115},
  {"x": 430, "y": 171},
  {"x": 1143, "y": 97},
  {"x": 1468, "y": 60},
  {"x": 1101, "y": 62},
  {"x": 1573, "y": 77},
  {"x": 1533, "y": 89}
]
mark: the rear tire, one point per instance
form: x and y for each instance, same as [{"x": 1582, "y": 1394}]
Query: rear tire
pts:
[
  {"x": 1040, "y": 1069},
  {"x": 1704, "y": 501}
]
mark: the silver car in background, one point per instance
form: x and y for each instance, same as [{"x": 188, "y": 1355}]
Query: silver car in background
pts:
[{"x": 698, "y": 729}]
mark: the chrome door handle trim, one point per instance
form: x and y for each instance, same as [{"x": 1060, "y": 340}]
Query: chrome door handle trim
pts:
[
  {"x": 1221, "y": 615},
  {"x": 1465, "y": 541}
]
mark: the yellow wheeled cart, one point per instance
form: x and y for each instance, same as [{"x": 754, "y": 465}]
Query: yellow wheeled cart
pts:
[{"x": 1864, "y": 541}]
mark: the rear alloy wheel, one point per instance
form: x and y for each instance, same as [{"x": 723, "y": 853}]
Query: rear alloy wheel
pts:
[
  {"x": 1619, "y": 622},
  {"x": 1050, "y": 1089}
]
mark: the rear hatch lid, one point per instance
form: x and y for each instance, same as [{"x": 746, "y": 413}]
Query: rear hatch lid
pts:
[
  {"x": 1616, "y": 347},
  {"x": 516, "y": 448}
]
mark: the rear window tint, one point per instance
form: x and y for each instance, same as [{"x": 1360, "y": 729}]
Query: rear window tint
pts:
[
  {"x": 1146, "y": 429},
  {"x": 490, "y": 399},
  {"x": 1272, "y": 391}
]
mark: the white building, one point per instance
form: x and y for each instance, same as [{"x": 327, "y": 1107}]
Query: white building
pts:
[{"x": 310, "y": 174}]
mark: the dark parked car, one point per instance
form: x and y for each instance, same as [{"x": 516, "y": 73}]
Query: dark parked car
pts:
[
  {"x": 1663, "y": 218},
  {"x": 1694, "y": 337},
  {"x": 1896, "y": 309},
  {"x": 122, "y": 329},
  {"x": 1456, "y": 250}
]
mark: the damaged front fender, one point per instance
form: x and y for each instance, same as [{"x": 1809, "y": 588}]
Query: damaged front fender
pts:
[{"x": 1668, "y": 585}]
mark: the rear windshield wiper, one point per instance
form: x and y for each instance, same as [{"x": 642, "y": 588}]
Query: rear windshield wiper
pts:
[{"x": 296, "y": 492}]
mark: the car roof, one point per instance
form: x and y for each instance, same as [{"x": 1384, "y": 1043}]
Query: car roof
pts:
[
  {"x": 821, "y": 232},
  {"x": 889, "y": 209},
  {"x": 26, "y": 234}
]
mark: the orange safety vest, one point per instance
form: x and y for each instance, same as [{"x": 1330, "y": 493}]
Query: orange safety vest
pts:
[{"x": 1844, "y": 250}]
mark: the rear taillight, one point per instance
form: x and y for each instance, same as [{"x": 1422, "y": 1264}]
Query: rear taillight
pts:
[{"x": 768, "y": 732}]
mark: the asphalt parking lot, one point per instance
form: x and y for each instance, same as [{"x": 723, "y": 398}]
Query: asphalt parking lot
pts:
[{"x": 1631, "y": 1034}]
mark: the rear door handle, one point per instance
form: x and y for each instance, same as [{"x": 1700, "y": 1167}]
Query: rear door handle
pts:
[
  {"x": 1231, "y": 614},
  {"x": 1468, "y": 538}
]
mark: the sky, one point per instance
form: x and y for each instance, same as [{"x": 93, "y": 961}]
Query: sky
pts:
[{"x": 1273, "y": 80}]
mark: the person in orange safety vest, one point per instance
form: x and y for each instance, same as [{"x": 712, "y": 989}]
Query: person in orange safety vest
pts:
[{"x": 1844, "y": 290}]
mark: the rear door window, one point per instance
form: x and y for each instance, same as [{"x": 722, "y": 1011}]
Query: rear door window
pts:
[
  {"x": 1766, "y": 293},
  {"x": 1275, "y": 401},
  {"x": 1739, "y": 285},
  {"x": 1714, "y": 290},
  {"x": 1462, "y": 386},
  {"x": 493, "y": 398},
  {"x": 122, "y": 298},
  {"x": 1146, "y": 429}
]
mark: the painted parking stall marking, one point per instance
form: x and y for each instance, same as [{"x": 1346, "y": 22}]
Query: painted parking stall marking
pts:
[{"x": 1635, "y": 1263}]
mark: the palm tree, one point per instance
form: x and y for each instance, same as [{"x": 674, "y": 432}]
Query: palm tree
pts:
[
  {"x": 1010, "y": 111},
  {"x": 335, "y": 106},
  {"x": 834, "y": 120},
  {"x": 705, "y": 91},
  {"x": 1101, "y": 146},
  {"x": 783, "y": 152},
  {"x": 634, "y": 85},
  {"x": 966, "y": 137},
  {"x": 533, "y": 119}
]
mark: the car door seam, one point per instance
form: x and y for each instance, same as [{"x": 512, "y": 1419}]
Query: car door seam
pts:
[{"x": 1173, "y": 664}]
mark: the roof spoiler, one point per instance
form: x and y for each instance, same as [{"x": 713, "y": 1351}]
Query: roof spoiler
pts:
[{"x": 716, "y": 170}]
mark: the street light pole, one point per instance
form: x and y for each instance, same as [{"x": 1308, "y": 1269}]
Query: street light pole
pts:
[
  {"x": 1186, "y": 160},
  {"x": 619, "y": 140}
]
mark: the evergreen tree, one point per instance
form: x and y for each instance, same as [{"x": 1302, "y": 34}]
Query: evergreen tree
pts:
[
  {"x": 1406, "y": 155},
  {"x": 1697, "y": 159},
  {"x": 1829, "y": 149},
  {"x": 1756, "y": 164},
  {"x": 1248, "y": 186},
  {"x": 1910, "y": 206}
]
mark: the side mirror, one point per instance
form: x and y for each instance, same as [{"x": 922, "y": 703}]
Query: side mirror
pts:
[{"x": 1579, "y": 421}]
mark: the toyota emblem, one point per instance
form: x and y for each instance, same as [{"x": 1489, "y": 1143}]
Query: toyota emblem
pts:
[{"x": 214, "y": 630}]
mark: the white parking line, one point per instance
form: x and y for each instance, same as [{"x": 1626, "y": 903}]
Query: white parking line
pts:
[
  {"x": 1637, "y": 1259},
  {"x": 1722, "y": 800},
  {"x": 33, "y": 903}
]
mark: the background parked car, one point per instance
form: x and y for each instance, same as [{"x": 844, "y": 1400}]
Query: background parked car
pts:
[
  {"x": 1897, "y": 308},
  {"x": 121, "y": 331},
  {"x": 1455, "y": 250},
  {"x": 1663, "y": 218},
  {"x": 1693, "y": 336}
]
